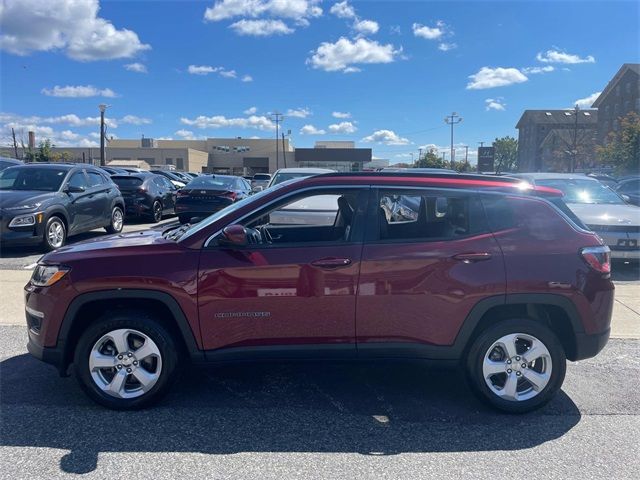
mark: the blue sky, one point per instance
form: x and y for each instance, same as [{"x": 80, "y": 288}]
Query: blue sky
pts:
[{"x": 217, "y": 68}]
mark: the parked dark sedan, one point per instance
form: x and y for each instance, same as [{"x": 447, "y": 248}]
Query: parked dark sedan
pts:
[
  {"x": 208, "y": 194},
  {"x": 6, "y": 162},
  {"x": 46, "y": 203},
  {"x": 147, "y": 195},
  {"x": 629, "y": 188}
]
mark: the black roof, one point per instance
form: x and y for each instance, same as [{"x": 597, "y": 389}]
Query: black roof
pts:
[{"x": 453, "y": 176}]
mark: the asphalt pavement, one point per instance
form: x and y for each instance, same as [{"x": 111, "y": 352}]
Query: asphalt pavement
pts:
[{"x": 329, "y": 420}]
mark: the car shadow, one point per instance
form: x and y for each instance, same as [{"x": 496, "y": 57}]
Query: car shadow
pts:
[
  {"x": 622, "y": 271},
  {"x": 372, "y": 409}
]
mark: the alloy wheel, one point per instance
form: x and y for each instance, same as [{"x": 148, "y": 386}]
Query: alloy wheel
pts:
[
  {"x": 55, "y": 234},
  {"x": 125, "y": 363},
  {"x": 517, "y": 367},
  {"x": 157, "y": 211},
  {"x": 117, "y": 219}
]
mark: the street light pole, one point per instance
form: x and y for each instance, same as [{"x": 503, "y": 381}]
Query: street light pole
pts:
[
  {"x": 277, "y": 117},
  {"x": 102, "y": 108},
  {"x": 574, "y": 150},
  {"x": 452, "y": 120}
]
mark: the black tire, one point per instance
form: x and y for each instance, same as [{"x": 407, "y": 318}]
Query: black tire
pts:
[
  {"x": 485, "y": 340},
  {"x": 54, "y": 223},
  {"x": 156, "y": 211},
  {"x": 184, "y": 219},
  {"x": 115, "y": 226},
  {"x": 142, "y": 322}
]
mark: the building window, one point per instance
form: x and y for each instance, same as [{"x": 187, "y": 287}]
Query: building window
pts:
[
  {"x": 168, "y": 161},
  {"x": 628, "y": 87},
  {"x": 618, "y": 90},
  {"x": 179, "y": 163},
  {"x": 606, "y": 110}
]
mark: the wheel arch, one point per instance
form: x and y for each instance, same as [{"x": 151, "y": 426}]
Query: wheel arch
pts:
[
  {"x": 554, "y": 311},
  {"x": 85, "y": 308}
]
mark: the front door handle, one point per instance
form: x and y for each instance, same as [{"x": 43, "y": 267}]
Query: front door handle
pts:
[
  {"x": 331, "y": 262},
  {"x": 472, "y": 257}
]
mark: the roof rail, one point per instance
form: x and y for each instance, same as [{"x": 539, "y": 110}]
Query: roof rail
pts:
[{"x": 453, "y": 176}]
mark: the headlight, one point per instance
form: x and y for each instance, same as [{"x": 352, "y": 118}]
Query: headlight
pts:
[
  {"x": 26, "y": 220},
  {"x": 47, "y": 275},
  {"x": 24, "y": 207}
]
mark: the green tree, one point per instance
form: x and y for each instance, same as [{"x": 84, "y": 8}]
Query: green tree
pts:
[
  {"x": 506, "y": 154},
  {"x": 622, "y": 150},
  {"x": 44, "y": 153},
  {"x": 430, "y": 160}
]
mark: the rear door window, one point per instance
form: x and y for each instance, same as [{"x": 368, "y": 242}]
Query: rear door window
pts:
[
  {"x": 425, "y": 215},
  {"x": 95, "y": 179}
]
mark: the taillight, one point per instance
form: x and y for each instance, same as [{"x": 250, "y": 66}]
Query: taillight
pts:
[
  {"x": 231, "y": 195},
  {"x": 598, "y": 258},
  {"x": 182, "y": 193}
]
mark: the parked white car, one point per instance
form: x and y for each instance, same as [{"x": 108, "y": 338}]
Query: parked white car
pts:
[{"x": 601, "y": 209}]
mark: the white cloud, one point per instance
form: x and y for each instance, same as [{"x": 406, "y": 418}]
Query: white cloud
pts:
[
  {"x": 78, "y": 91},
  {"x": 69, "y": 135},
  {"x": 20, "y": 122},
  {"x": 558, "y": 56},
  {"x": 185, "y": 134},
  {"x": 343, "y": 54},
  {"x": 342, "y": 127},
  {"x": 298, "y": 113},
  {"x": 311, "y": 130},
  {"x": 136, "y": 67},
  {"x": 201, "y": 69},
  {"x": 261, "y": 28},
  {"x": 86, "y": 143},
  {"x": 587, "y": 101},
  {"x": 366, "y": 27},
  {"x": 298, "y": 11},
  {"x": 495, "y": 77},
  {"x": 220, "y": 121},
  {"x": 494, "y": 104},
  {"x": 134, "y": 120},
  {"x": 386, "y": 137},
  {"x": 343, "y": 10},
  {"x": 535, "y": 70},
  {"x": 445, "y": 47},
  {"x": 429, "y": 33},
  {"x": 251, "y": 110},
  {"x": 223, "y": 72},
  {"x": 69, "y": 25},
  {"x": 341, "y": 115}
]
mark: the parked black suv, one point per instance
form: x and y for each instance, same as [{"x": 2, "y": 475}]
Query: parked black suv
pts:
[
  {"x": 147, "y": 194},
  {"x": 44, "y": 203}
]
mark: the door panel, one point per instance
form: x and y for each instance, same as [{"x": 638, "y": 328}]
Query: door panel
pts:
[
  {"x": 428, "y": 260},
  {"x": 274, "y": 296}
]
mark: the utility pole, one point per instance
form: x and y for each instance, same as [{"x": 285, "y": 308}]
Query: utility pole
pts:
[
  {"x": 466, "y": 153},
  {"x": 481, "y": 144},
  {"x": 419, "y": 154},
  {"x": 15, "y": 144},
  {"x": 452, "y": 120},
  {"x": 444, "y": 156},
  {"x": 574, "y": 150},
  {"x": 284, "y": 152},
  {"x": 102, "y": 108},
  {"x": 277, "y": 117}
]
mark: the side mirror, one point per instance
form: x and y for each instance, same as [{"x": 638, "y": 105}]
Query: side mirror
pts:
[
  {"x": 626, "y": 198},
  {"x": 233, "y": 236},
  {"x": 73, "y": 189}
]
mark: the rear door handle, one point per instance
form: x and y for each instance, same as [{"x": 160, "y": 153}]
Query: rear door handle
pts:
[
  {"x": 331, "y": 262},
  {"x": 472, "y": 257}
]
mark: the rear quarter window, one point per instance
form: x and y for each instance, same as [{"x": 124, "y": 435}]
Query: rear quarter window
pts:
[{"x": 127, "y": 181}]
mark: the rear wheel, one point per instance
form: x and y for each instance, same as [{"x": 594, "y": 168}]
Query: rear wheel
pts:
[
  {"x": 117, "y": 221},
  {"x": 156, "y": 211},
  {"x": 126, "y": 360},
  {"x": 55, "y": 234},
  {"x": 516, "y": 365}
]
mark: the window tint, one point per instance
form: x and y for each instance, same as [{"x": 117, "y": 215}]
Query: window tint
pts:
[
  {"x": 413, "y": 215},
  {"x": 630, "y": 187},
  {"x": 78, "y": 180},
  {"x": 32, "y": 178},
  {"x": 499, "y": 212},
  {"x": 125, "y": 182},
  {"x": 95, "y": 179}
]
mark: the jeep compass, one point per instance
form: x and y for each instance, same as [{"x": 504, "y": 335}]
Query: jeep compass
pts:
[{"x": 489, "y": 273}]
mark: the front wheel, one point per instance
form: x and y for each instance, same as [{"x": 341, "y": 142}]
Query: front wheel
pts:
[
  {"x": 516, "y": 365},
  {"x": 126, "y": 360},
  {"x": 117, "y": 221},
  {"x": 55, "y": 234}
]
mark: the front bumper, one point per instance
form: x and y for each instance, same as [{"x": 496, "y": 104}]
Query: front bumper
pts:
[
  {"x": 51, "y": 355},
  {"x": 31, "y": 235},
  {"x": 588, "y": 346}
]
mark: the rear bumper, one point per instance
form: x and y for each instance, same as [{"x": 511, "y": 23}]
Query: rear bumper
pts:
[
  {"x": 588, "y": 346},
  {"x": 625, "y": 254}
]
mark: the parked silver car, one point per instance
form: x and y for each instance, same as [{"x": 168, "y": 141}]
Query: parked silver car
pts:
[
  {"x": 260, "y": 181},
  {"x": 599, "y": 208}
]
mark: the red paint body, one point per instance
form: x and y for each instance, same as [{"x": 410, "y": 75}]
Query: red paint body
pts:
[{"x": 414, "y": 292}]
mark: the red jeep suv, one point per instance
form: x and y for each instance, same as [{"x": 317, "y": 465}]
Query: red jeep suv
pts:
[{"x": 490, "y": 273}]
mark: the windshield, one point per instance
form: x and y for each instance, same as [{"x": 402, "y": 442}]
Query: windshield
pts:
[
  {"x": 227, "y": 210},
  {"x": 262, "y": 176},
  {"x": 127, "y": 181},
  {"x": 582, "y": 191},
  {"x": 212, "y": 183},
  {"x": 284, "y": 176},
  {"x": 30, "y": 178}
]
